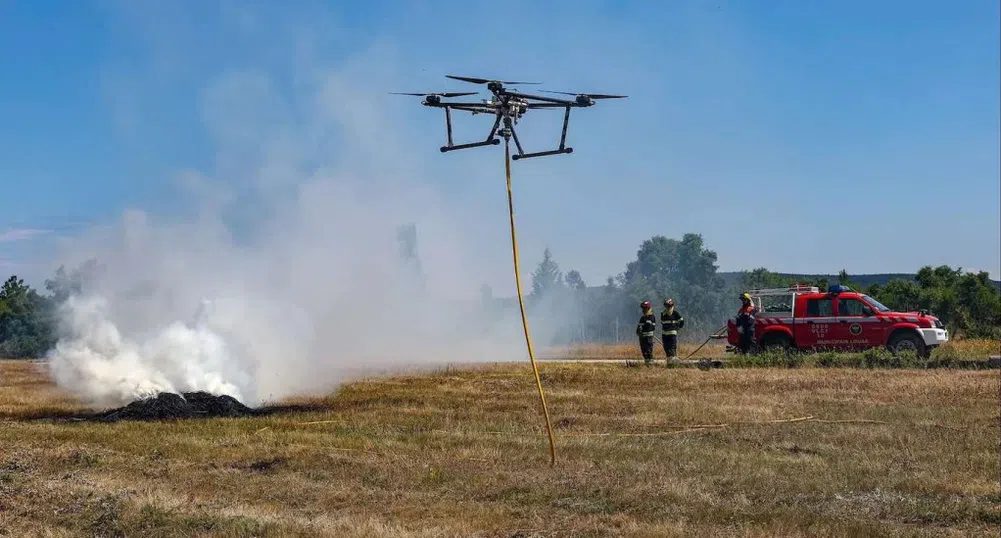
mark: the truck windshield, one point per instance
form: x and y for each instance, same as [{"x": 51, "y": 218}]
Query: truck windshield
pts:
[{"x": 876, "y": 304}]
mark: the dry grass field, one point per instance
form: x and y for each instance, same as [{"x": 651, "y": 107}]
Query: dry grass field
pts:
[
  {"x": 461, "y": 452},
  {"x": 978, "y": 349},
  {"x": 629, "y": 351}
]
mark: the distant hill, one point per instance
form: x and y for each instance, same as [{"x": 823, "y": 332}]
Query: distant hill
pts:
[{"x": 733, "y": 278}]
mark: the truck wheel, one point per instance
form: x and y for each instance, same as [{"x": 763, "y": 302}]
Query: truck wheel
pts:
[
  {"x": 908, "y": 341},
  {"x": 776, "y": 342}
]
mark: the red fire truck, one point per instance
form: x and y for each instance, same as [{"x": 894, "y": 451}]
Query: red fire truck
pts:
[{"x": 803, "y": 317}]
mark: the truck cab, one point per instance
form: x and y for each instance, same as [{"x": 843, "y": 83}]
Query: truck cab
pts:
[{"x": 803, "y": 317}]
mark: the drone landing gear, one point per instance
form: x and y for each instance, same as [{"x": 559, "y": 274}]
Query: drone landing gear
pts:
[
  {"x": 563, "y": 142},
  {"x": 490, "y": 141},
  {"x": 541, "y": 154},
  {"x": 507, "y": 132}
]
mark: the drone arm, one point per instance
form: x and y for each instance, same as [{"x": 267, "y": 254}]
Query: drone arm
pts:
[
  {"x": 475, "y": 110},
  {"x": 455, "y": 105},
  {"x": 549, "y": 100}
]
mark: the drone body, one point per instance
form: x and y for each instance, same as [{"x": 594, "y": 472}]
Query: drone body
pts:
[{"x": 507, "y": 107}]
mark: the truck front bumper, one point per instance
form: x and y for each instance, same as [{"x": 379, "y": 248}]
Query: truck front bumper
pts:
[{"x": 934, "y": 337}]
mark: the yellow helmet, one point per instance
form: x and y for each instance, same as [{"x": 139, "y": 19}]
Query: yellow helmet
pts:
[{"x": 746, "y": 296}]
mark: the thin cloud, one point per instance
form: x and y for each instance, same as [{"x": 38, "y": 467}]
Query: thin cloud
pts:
[{"x": 11, "y": 235}]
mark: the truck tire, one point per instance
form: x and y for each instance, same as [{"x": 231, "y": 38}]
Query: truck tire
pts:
[
  {"x": 908, "y": 340},
  {"x": 776, "y": 342}
]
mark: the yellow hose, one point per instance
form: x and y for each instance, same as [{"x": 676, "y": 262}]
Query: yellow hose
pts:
[{"x": 521, "y": 302}]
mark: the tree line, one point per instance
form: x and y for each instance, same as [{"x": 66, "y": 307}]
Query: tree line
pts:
[
  {"x": 686, "y": 270},
  {"x": 563, "y": 309}
]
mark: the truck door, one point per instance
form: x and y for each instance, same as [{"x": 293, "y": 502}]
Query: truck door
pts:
[
  {"x": 814, "y": 320},
  {"x": 857, "y": 327}
]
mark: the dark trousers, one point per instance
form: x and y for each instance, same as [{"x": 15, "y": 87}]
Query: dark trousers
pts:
[
  {"x": 646, "y": 347},
  {"x": 670, "y": 345},
  {"x": 746, "y": 338}
]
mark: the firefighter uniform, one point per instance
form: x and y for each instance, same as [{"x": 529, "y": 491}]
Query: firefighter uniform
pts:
[
  {"x": 670, "y": 322},
  {"x": 646, "y": 328},
  {"x": 745, "y": 323}
]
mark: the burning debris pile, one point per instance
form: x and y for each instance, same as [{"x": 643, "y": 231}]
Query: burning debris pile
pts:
[{"x": 169, "y": 406}]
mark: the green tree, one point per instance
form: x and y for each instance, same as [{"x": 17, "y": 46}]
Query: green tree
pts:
[
  {"x": 684, "y": 270},
  {"x": 942, "y": 276},
  {"x": 969, "y": 304},
  {"x": 845, "y": 280},
  {"x": 578, "y": 301},
  {"x": 26, "y": 321},
  {"x": 547, "y": 277},
  {"x": 898, "y": 294},
  {"x": 762, "y": 278},
  {"x": 406, "y": 238},
  {"x": 574, "y": 280},
  {"x": 63, "y": 283},
  {"x": 612, "y": 317}
]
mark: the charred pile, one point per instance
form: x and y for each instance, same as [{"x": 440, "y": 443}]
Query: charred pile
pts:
[{"x": 170, "y": 406}]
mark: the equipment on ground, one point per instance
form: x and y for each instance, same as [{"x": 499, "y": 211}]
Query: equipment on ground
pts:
[
  {"x": 718, "y": 334},
  {"x": 507, "y": 107}
]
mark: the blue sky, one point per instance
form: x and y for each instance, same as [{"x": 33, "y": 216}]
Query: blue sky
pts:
[{"x": 799, "y": 136}]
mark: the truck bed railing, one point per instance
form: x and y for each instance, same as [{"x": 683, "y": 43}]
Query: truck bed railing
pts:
[{"x": 766, "y": 292}]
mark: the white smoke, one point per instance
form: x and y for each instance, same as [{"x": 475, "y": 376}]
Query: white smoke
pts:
[
  {"x": 98, "y": 362},
  {"x": 286, "y": 276},
  {"x": 318, "y": 296}
]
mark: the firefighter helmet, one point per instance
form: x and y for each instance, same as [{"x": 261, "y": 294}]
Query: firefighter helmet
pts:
[
  {"x": 645, "y": 305},
  {"x": 668, "y": 302},
  {"x": 746, "y": 296}
]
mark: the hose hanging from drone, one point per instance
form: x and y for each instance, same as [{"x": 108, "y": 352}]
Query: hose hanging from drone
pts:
[{"x": 521, "y": 302}]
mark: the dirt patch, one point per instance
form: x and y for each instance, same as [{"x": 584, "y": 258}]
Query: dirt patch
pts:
[
  {"x": 796, "y": 449},
  {"x": 565, "y": 422},
  {"x": 261, "y": 466}
]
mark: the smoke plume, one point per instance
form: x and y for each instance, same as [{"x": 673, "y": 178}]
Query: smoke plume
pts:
[{"x": 283, "y": 275}]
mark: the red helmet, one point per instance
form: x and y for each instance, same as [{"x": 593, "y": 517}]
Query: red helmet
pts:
[{"x": 645, "y": 305}]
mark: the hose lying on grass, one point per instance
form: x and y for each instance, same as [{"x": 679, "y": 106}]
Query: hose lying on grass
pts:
[{"x": 687, "y": 428}]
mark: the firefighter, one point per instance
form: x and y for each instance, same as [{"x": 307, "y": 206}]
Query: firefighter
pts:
[
  {"x": 645, "y": 330},
  {"x": 745, "y": 322},
  {"x": 670, "y": 322}
]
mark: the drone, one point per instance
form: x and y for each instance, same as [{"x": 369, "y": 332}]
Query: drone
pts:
[{"x": 507, "y": 107}]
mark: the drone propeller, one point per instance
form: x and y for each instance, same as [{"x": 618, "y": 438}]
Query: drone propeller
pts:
[
  {"x": 486, "y": 80},
  {"x": 590, "y": 95},
  {"x": 444, "y": 94}
]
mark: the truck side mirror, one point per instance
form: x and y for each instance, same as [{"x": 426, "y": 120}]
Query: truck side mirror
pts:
[{"x": 866, "y": 311}]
